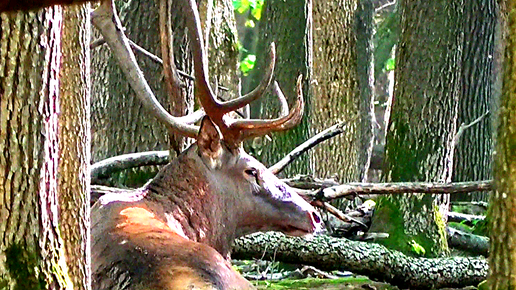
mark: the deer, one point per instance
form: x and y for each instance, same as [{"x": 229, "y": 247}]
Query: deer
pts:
[{"x": 176, "y": 232}]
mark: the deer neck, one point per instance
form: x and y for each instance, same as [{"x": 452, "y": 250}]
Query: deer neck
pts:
[{"x": 183, "y": 197}]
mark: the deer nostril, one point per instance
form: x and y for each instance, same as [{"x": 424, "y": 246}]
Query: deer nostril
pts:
[{"x": 316, "y": 218}]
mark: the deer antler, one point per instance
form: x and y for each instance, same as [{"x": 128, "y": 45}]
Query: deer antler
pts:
[
  {"x": 234, "y": 131},
  {"x": 107, "y": 22}
]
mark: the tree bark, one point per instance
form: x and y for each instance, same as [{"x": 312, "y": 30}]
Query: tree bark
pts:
[
  {"x": 423, "y": 123},
  {"x": 73, "y": 181},
  {"x": 119, "y": 123},
  {"x": 373, "y": 260},
  {"x": 474, "y": 147},
  {"x": 502, "y": 208},
  {"x": 473, "y": 244},
  {"x": 35, "y": 241},
  {"x": 25, "y": 5},
  {"x": 343, "y": 87},
  {"x": 289, "y": 25}
]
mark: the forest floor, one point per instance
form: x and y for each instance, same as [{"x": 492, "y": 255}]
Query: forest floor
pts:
[
  {"x": 354, "y": 283},
  {"x": 283, "y": 276},
  {"x": 349, "y": 283}
]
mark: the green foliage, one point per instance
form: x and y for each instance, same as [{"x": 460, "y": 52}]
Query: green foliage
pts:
[
  {"x": 255, "y": 6},
  {"x": 481, "y": 228},
  {"x": 462, "y": 226},
  {"x": 247, "y": 64},
  {"x": 478, "y": 227},
  {"x": 326, "y": 284},
  {"x": 22, "y": 265},
  {"x": 417, "y": 248},
  {"x": 390, "y": 64},
  {"x": 250, "y": 23},
  {"x": 253, "y": 9}
]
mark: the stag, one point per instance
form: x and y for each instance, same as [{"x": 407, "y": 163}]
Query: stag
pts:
[{"x": 176, "y": 232}]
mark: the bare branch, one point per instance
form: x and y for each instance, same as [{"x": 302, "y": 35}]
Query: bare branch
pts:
[
  {"x": 463, "y": 127},
  {"x": 109, "y": 166},
  {"x": 98, "y": 42},
  {"x": 337, "y": 213},
  {"x": 467, "y": 219},
  {"x": 373, "y": 260},
  {"x": 388, "y": 4},
  {"x": 107, "y": 22},
  {"x": 308, "y": 182},
  {"x": 344, "y": 190},
  {"x": 468, "y": 242},
  {"x": 482, "y": 204},
  {"x": 307, "y": 145}
]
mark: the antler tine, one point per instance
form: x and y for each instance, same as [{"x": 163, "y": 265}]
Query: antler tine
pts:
[
  {"x": 235, "y": 131},
  {"x": 107, "y": 22},
  {"x": 204, "y": 92},
  {"x": 203, "y": 89},
  {"x": 281, "y": 99},
  {"x": 242, "y": 101},
  {"x": 240, "y": 130}
]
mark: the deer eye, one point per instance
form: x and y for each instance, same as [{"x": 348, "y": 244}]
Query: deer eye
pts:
[{"x": 252, "y": 172}]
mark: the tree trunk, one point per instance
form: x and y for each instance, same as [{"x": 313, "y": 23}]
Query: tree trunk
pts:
[
  {"x": 35, "y": 242},
  {"x": 135, "y": 130},
  {"x": 474, "y": 147},
  {"x": 502, "y": 210},
  {"x": 365, "y": 73},
  {"x": 119, "y": 122},
  {"x": 386, "y": 38},
  {"x": 422, "y": 125},
  {"x": 289, "y": 25},
  {"x": 343, "y": 87},
  {"x": 73, "y": 181}
]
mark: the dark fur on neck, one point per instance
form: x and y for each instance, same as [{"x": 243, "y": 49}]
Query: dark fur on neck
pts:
[{"x": 181, "y": 194}]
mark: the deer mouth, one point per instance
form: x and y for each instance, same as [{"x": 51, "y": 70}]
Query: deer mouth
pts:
[
  {"x": 303, "y": 229},
  {"x": 296, "y": 232}
]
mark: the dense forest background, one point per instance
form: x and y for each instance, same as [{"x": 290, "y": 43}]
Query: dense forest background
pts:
[{"x": 414, "y": 172}]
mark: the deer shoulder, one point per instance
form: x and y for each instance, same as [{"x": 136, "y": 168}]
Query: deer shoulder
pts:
[{"x": 136, "y": 249}]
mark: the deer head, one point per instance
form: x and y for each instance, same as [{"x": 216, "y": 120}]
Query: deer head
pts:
[{"x": 214, "y": 191}]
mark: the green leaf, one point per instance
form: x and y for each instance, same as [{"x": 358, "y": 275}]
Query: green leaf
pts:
[
  {"x": 249, "y": 23},
  {"x": 256, "y": 10},
  {"x": 417, "y": 248},
  {"x": 390, "y": 64},
  {"x": 247, "y": 64},
  {"x": 241, "y": 6},
  {"x": 237, "y": 4}
]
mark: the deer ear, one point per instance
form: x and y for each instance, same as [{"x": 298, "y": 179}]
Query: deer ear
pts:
[{"x": 208, "y": 141}]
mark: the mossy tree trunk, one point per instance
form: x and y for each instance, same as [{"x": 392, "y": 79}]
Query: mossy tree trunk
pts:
[
  {"x": 289, "y": 25},
  {"x": 120, "y": 123},
  {"x": 502, "y": 210},
  {"x": 419, "y": 145},
  {"x": 343, "y": 87},
  {"x": 474, "y": 147},
  {"x": 44, "y": 236}
]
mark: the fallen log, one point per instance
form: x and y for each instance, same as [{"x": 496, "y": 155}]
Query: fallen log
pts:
[{"x": 372, "y": 260}]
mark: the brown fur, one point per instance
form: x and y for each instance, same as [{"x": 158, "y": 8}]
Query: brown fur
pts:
[
  {"x": 177, "y": 231},
  {"x": 171, "y": 261}
]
